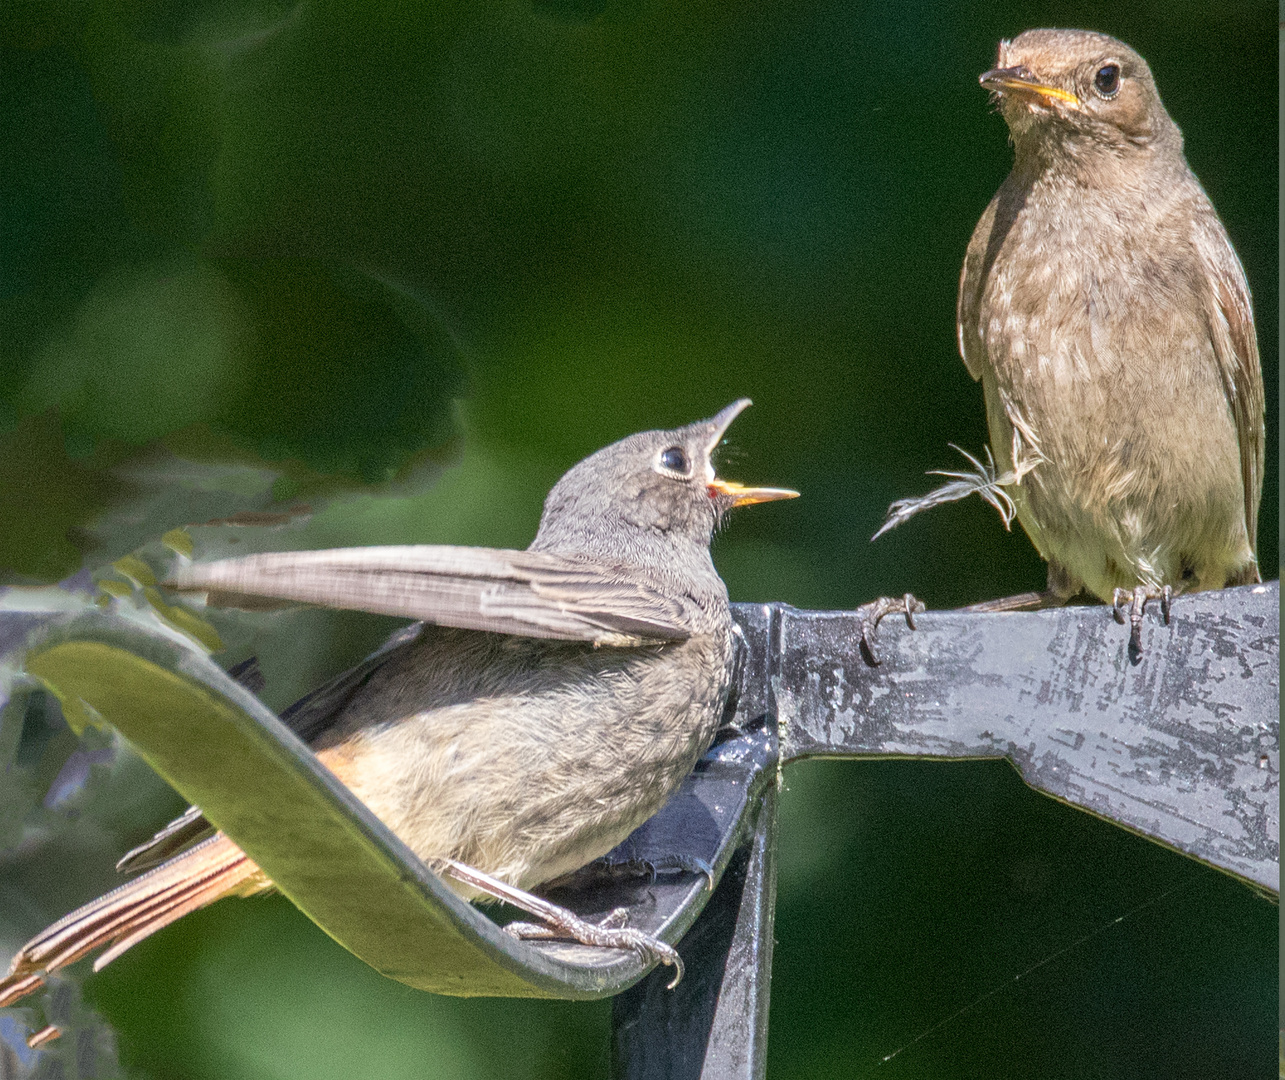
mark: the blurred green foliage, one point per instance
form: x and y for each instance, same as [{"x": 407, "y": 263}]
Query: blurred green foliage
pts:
[{"x": 406, "y": 263}]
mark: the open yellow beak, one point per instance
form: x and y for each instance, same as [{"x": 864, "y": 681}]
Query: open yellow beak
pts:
[
  {"x": 741, "y": 495},
  {"x": 747, "y": 496},
  {"x": 1019, "y": 81}
]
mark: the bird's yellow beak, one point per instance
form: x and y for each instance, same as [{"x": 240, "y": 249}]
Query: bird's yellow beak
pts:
[
  {"x": 747, "y": 496},
  {"x": 739, "y": 493},
  {"x": 1020, "y": 81}
]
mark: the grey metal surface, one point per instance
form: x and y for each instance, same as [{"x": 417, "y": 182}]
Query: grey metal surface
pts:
[
  {"x": 713, "y": 1026},
  {"x": 1183, "y": 747}
]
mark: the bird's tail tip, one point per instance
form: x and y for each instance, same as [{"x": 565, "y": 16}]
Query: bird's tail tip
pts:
[{"x": 125, "y": 916}]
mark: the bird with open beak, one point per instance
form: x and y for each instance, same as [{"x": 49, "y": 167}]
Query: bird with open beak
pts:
[
  {"x": 546, "y": 704},
  {"x": 1104, "y": 311}
]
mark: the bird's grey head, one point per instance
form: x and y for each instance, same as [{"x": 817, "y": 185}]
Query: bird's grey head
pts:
[
  {"x": 647, "y": 499},
  {"x": 1079, "y": 91}
]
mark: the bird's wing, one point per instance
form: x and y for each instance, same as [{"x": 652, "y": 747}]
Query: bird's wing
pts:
[
  {"x": 527, "y": 593},
  {"x": 182, "y": 832},
  {"x": 308, "y": 718},
  {"x": 533, "y": 594},
  {"x": 972, "y": 278},
  {"x": 1231, "y": 323}
]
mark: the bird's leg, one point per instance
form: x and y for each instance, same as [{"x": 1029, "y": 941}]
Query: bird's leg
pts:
[
  {"x": 605, "y": 870},
  {"x": 1137, "y": 598},
  {"x": 872, "y": 614},
  {"x": 1062, "y": 586},
  {"x": 610, "y": 933},
  {"x": 1027, "y": 601},
  {"x": 685, "y": 864}
]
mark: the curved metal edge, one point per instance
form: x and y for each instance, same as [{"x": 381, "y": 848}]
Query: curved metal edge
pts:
[
  {"x": 1182, "y": 748},
  {"x": 55, "y": 636},
  {"x": 397, "y": 889}
]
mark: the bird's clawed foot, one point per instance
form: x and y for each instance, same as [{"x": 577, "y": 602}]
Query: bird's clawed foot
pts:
[
  {"x": 610, "y": 933},
  {"x": 683, "y": 864},
  {"x": 1135, "y": 602},
  {"x": 872, "y": 614},
  {"x": 609, "y": 870},
  {"x": 560, "y": 923}
]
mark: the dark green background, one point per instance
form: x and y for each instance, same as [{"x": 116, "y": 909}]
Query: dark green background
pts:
[{"x": 416, "y": 260}]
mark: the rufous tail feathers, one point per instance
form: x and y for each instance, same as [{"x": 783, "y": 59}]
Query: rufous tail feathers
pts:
[{"x": 123, "y": 917}]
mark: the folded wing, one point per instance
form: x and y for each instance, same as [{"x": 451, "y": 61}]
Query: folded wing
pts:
[{"x": 1231, "y": 323}]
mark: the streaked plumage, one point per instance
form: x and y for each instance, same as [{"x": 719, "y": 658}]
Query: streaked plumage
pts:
[{"x": 1109, "y": 321}]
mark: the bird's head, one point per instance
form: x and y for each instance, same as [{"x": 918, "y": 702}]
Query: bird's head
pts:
[
  {"x": 1069, "y": 87},
  {"x": 649, "y": 494}
]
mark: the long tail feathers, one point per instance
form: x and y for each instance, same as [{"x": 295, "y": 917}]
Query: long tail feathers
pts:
[{"x": 123, "y": 917}]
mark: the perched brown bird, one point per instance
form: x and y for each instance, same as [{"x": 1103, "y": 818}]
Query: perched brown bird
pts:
[
  {"x": 550, "y": 702},
  {"x": 1108, "y": 318}
]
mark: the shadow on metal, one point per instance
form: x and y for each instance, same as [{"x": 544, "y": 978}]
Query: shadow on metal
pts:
[{"x": 714, "y": 1023}]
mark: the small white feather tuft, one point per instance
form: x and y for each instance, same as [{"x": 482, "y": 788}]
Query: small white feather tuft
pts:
[{"x": 983, "y": 479}]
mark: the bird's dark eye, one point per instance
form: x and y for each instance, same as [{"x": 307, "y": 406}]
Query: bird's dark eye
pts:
[
  {"x": 1107, "y": 81},
  {"x": 675, "y": 460}
]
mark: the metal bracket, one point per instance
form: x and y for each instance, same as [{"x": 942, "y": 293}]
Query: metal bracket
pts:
[{"x": 1182, "y": 747}]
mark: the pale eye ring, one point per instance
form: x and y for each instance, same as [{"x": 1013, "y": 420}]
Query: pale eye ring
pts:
[{"x": 675, "y": 460}]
